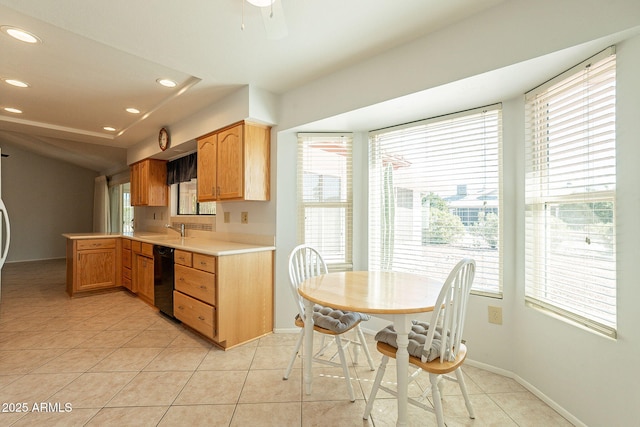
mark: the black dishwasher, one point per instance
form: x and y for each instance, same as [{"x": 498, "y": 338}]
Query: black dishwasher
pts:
[{"x": 163, "y": 279}]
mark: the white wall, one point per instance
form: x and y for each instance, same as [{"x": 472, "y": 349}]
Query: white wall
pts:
[
  {"x": 590, "y": 379},
  {"x": 44, "y": 198},
  {"x": 590, "y": 376}
]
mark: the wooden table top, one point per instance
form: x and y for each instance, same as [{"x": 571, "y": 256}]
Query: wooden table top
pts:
[{"x": 373, "y": 292}]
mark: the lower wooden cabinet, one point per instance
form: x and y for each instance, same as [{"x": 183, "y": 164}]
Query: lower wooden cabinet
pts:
[
  {"x": 92, "y": 264},
  {"x": 228, "y": 299}
]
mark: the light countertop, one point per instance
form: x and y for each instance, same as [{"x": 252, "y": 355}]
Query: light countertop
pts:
[{"x": 193, "y": 244}]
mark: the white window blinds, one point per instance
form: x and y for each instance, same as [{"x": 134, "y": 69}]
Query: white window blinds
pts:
[
  {"x": 435, "y": 196},
  {"x": 570, "y": 249},
  {"x": 325, "y": 197}
]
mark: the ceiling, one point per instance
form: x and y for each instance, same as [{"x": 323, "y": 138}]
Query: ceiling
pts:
[{"x": 97, "y": 58}]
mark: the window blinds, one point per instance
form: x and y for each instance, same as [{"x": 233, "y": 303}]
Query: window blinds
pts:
[
  {"x": 570, "y": 250},
  {"x": 325, "y": 196},
  {"x": 435, "y": 196}
]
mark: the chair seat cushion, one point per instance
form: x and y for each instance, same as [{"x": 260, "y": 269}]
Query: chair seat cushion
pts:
[
  {"x": 417, "y": 340},
  {"x": 336, "y": 320}
]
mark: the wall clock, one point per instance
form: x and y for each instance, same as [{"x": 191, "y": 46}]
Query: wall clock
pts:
[{"x": 163, "y": 139}]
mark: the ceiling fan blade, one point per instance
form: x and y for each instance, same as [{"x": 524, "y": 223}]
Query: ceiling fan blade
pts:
[{"x": 274, "y": 20}]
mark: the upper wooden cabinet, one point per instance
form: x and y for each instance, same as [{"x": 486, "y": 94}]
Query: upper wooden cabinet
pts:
[
  {"x": 149, "y": 183},
  {"x": 233, "y": 163}
]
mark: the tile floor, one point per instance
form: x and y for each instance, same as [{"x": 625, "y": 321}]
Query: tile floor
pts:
[{"x": 111, "y": 360}]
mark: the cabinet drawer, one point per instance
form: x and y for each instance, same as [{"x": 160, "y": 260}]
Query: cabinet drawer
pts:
[
  {"x": 85, "y": 244},
  {"x": 126, "y": 244},
  {"x": 196, "y": 283},
  {"x": 142, "y": 248},
  {"x": 204, "y": 262},
  {"x": 126, "y": 282},
  {"x": 194, "y": 313},
  {"x": 126, "y": 273},
  {"x": 182, "y": 257},
  {"x": 126, "y": 258},
  {"x": 147, "y": 249}
]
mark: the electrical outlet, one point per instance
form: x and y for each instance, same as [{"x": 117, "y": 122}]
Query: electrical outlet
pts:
[
  {"x": 244, "y": 217},
  {"x": 227, "y": 217},
  {"x": 495, "y": 315}
]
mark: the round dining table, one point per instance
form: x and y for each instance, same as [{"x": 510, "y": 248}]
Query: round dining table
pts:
[{"x": 394, "y": 296}]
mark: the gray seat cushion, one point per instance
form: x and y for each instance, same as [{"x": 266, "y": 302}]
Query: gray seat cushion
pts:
[
  {"x": 417, "y": 339},
  {"x": 336, "y": 320}
]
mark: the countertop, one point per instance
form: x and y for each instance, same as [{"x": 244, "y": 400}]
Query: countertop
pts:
[{"x": 193, "y": 244}]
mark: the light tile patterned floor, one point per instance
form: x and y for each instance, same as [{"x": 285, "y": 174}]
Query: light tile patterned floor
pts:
[{"x": 111, "y": 360}]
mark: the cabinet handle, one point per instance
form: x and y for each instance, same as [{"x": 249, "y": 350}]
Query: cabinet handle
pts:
[
  {"x": 218, "y": 192},
  {"x": 203, "y": 287},
  {"x": 180, "y": 307},
  {"x": 181, "y": 279},
  {"x": 203, "y": 263},
  {"x": 200, "y": 318}
]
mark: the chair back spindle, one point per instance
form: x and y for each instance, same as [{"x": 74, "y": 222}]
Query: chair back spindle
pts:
[
  {"x": 450, "y": 310},
  {"x": 304, "y": 262}
]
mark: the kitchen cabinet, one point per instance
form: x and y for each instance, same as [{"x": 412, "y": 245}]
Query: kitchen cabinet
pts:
[
  {"x": 149, "y": 183},
  {"x": 227, "y": 298},
  {"x": 92, "y": 265},
  {"x": 233, "y": 163},
  {"x": 143, "y": 271}
]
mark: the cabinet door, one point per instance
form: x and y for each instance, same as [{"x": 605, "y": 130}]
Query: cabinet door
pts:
[
  {"x": 230, "y": 175},
  {"x": 207, "y": 166},
  {"x": 143, "y": 183},
  {"x": 134, "y": 172},
  {"x": 143, "y": 278},
  {"x": 149, "y": 183},
  {"x": 96, "y": 269},
  {"x": 157, "y": 190}
]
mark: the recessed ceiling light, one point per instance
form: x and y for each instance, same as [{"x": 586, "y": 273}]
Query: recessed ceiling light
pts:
[
  {"x": 13, "y": 110},
  {"x": 167, "y": 82},
  {"x": 133, "y": 110},
  {"x": 20, "y": 34},
  {"x": 109, "y": 128},
  {"x": 16, "y": 83}
]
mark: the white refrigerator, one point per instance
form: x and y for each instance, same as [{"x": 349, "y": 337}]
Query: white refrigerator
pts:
[{"x": 5, "y": 229}]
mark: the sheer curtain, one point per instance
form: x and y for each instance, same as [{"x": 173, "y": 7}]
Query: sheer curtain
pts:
[{"x": 101, "y": 215}]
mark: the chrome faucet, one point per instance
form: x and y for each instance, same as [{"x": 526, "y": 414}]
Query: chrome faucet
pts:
[{"x": 178, "y": 229}]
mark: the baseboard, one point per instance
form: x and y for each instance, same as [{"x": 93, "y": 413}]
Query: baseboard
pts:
[
  {"x": 34, "y": 260},
  {"x": 530, "y": 387},
  {"x": 286, "y": 330}
]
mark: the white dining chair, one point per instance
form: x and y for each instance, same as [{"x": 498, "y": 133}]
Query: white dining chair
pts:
[
  {"x": 305, "y": 262},
  {"x": 438, "y": 350}
]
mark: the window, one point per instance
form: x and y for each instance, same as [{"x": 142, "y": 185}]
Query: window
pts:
[
  {"x": 325, "y": 196},
  {"x": 434, "y": 196},
  {"x": 121, "y": 211},
  {"x": 182, "y": 173},
  {"x": 188, "y": 200},
  {"x": 570, "y": 186}
]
